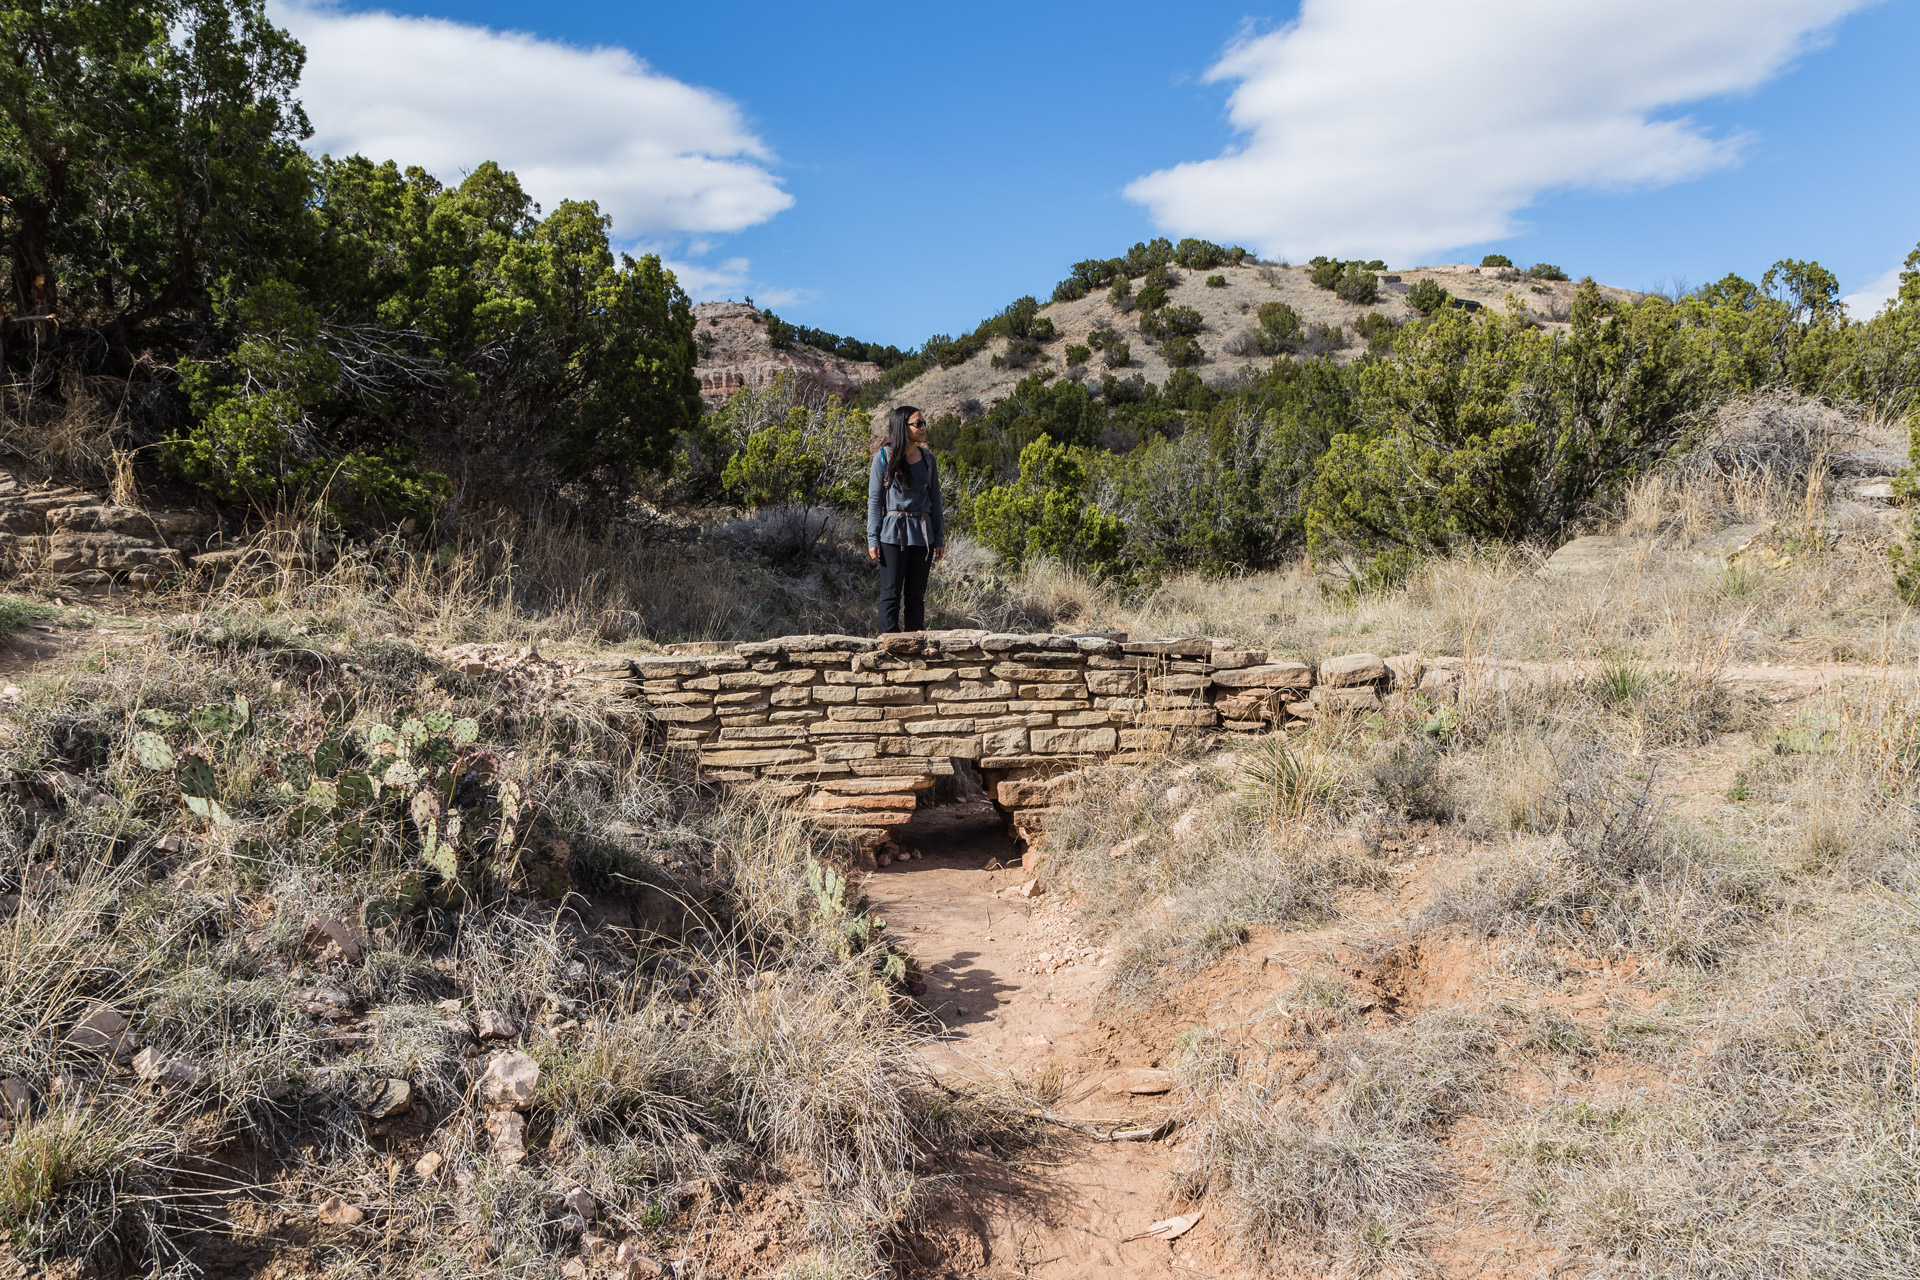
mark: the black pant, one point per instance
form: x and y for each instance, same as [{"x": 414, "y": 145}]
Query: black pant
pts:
[{"x": 903, "y": 572}]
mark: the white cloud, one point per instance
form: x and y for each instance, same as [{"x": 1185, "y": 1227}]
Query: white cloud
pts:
[
  {"x": 1865, "y": 302},
  {"x": 660, "y": 156},
  {"x": 1396, "y": 128}
]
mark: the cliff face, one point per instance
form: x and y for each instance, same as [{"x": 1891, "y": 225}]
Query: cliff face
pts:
[{"x": 735, "y": 353}]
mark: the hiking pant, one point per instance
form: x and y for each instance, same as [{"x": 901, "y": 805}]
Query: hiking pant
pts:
[{"x": 903, "y": 587}]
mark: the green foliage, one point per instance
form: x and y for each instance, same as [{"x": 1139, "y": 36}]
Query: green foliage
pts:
[
  {"x": 1278, "y": 319},
  {"x": 17, "y": 613},
  {"x": 1325, "y": 272},
  {"x": 1496, "y": 260},
  {"x": 1168, "y": 322},
  {"x": 1077, "y": 353},
  {"x": 1182, "y": 351},
  {"x": 337, "y": 330},
  {"x": 1484, "y": 428},
  {"x": 1204, "y": 255},
  {"x": 1117, "y": 355},
  {"x": 1153, "y": 290},
  {"x": 1546, "y": 271},
  {"x": 1377, "y": 329},
  {"x": 1216, "y": 282},
  {"x": 774, "y": 444},
  {"x": 1358, "y": 285},
  {"x": 783, "y": 335},
  {"x": 1121, "y": 295},
  {"x": 1045, "y": 512},
  {"x": 1427, "y": 296}
]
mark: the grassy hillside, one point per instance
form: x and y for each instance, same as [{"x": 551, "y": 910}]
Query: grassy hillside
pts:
[{"x": 1230, "y": 323}]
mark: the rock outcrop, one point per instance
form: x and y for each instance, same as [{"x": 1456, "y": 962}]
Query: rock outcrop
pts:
[
  {"x": 736, "y": 353},
  {"x": 82, "y": 539}
]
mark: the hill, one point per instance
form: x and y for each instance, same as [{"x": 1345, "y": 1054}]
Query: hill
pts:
[
  {"x": 737, "y": 345},
  {"x": 1229, "y": 316}
]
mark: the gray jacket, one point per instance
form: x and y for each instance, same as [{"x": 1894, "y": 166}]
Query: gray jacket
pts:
[{"x": 907, "y": 514}]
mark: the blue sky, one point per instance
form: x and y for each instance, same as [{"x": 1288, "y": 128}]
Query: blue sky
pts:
[{"x": 892, "y": 171}]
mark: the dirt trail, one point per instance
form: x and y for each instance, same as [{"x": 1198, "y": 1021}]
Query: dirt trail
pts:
[{"x": 1014, "y": 986}]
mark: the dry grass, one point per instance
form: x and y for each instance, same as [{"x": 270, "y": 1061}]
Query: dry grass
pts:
[
  {"x": 1787, "y": 1147},
  {"x": 1342, "y": 1163},
  {"x": 764, "y": 1026}
]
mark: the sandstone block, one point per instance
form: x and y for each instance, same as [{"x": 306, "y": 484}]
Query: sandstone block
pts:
[
  {"x": 1356, "y": 698},
  {"x": 1174, "y": 701},
  {"x": 889, "y": 695},
  {"x": 1352, "y": 669},
  {"x": 827, "y": 801},
  {"x": 856, "y": 715},
  {"x": 1266, "y": 675},
  {"x": 876, "y": 786},
  {"x": 1122, "y": 683},
  {"x": 953, "y": 748},
  {"x": 681, "y": 715},
  {"x": 1058, "y": 741},
  {"x": 903, "y": 766},
  {"x": 804, "y": 715},
  {"x": 1052, "y": 692},
  {"x": 740, "y": 699},
  {"x": 939, "y": 726},
  {"x": 764, "y": 733},
  {"x": 722, "y": 757},
  {"x": 1177, "y": 683},
  {"x": 763, "y": 679},
  {"x": 1006, "y": 742},
  {"x": 922, "y": 675},
  {"x": 852, "y": 677},
  {"x": 732, "y": 719},
  {"x": 1234, "y": 659},
  {"x": 810, "y": 769},
  {"x": 1403, "y": 671},
  {"x": 835, "y": 751},
  {"x": 1145, "y": 739},
  {"x": 1119, "y": 704},
  {"x": 832, "y": 693},
  {"x": 1191, "y": 647},
  {"x": 1082, "y": 719},
  {"x": 1200, "y": 718},
  {"x": 862, "y": 818},
  {"x": 856, "y": 728},
  {"x": 793, "y": 695},
  {"x": 997, "y": 690},
  {"x": 1050, "y": 704}
]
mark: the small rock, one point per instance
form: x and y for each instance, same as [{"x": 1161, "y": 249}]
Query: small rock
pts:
[
  {"x": 1126, "y": 848},
  {"x": 104, "y": 1030},
  {"x": 16, "y": 1098},
  {"x": 428, "y": 1165},
  {"x": 173, "y": 1073},
  {"x": 575, "y": 1269},
  {"x": 336, "y": 1212},
  {"x": 1352, "y": 669},
  {"x": 1138, "y": 1081},
  {"x": 332, "y": 940},
  {"x": 390, "y": 1099},
  {"x": 579, "y": 1200},
  {"x": 1031, "y": 889},
  {"x": 508, "y": 1130},
  {"x": 510, "y": 1081},
  {"x": 170, "y": 844},
  {"x": 632, "y": 1259},
  {"x": 598, "y": 1250},
  {"x": 491, "y": 1024}
]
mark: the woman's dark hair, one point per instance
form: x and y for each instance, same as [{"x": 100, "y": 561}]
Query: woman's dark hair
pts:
[{"x": 898, "y": 444}]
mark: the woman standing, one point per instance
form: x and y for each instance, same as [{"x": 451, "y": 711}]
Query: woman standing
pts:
[{"x": 906, "y": 527}]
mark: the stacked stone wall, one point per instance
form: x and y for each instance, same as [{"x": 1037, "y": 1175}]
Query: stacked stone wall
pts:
[{"x": 855, "y": 728}]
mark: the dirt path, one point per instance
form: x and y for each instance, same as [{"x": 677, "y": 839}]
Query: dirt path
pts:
[{"x": 1014, "y": 985}]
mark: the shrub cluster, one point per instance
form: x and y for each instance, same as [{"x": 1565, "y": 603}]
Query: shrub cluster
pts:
[
  {"x": 1427, "y": 296},
  {"x": 1546, "y": 271},
  {"x": 1496, "y": 260}
]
